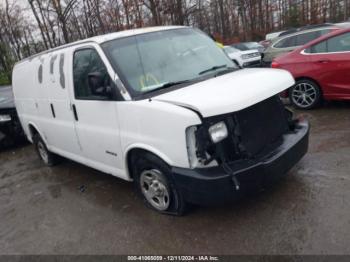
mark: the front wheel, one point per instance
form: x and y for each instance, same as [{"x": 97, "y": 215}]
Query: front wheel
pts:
[
  {"x": 305, "y": 94},
  {"x": 152, "y": 178}
]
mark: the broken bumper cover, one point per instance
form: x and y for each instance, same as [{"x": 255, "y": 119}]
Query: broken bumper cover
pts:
[{"x": 213, "y": 185}]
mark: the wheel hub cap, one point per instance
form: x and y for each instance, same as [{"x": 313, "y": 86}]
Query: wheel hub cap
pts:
[
  {"x": 304, "y": 95},
  {"x": 42, "y": 152},
  {"x": 154, "y": 189}
]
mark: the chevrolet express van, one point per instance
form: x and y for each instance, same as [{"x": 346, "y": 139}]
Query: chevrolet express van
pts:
[{"x": 163, "y": 107}]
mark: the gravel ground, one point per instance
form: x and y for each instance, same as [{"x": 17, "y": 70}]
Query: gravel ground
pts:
[{"x": 72, "y": 209}]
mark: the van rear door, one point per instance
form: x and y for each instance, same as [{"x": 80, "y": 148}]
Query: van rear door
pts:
[{"x": 96, "y": 118}]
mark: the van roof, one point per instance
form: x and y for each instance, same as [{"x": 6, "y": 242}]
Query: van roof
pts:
[{"x": 107, "y": 37}]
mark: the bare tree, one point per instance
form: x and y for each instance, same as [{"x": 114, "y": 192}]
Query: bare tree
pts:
[{"x": 62, "y": 21}]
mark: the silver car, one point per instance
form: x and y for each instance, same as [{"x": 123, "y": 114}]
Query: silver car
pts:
[{"x": 289, "y": 42}]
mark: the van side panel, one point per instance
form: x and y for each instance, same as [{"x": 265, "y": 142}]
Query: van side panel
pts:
[
  {"x": 146, "y": 124},
  {"x": 24, "y": 82},
  {"x": 42, "y": 99}
]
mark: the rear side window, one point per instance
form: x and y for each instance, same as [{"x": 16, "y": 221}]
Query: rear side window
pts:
[
  {"x": 286, "y": 42},
  {"x": 303, "y": 39},
  {"x": 340, "y": 43},
  {"x": 87, "y": 61},
  {"x": 319, "y": 48},
  {"x": 325, "y": 31}
]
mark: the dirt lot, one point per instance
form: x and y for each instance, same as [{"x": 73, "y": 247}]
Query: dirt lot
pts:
[{"x": 72, "y": 209}]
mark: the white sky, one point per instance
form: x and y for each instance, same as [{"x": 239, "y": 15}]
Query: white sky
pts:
[
  {"x": 22, "y": 3},
  {"x": 25, "y": 8}
]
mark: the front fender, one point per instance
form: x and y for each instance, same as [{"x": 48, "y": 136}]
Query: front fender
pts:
[
  {"x": 148, "y": 148},
  {"x": 157, "y": 127}
]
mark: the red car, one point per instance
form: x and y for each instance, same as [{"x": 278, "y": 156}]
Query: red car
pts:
[{"x": 321, "y": 69}]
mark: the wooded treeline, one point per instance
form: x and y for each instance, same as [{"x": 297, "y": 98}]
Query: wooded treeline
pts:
[{"x": 44, "y": 24}]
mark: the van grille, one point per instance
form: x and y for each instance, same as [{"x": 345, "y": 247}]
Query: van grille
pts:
[
  {"x": 253, "y": 131},
  {"x": 261, "y": 124}
]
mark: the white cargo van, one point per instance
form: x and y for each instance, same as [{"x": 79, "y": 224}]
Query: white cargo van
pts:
[{"x": 163, "y": 107}]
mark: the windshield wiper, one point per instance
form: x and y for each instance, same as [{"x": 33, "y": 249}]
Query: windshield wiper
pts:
[
  {"x": 167, "y": 85},
  {"x": 227, "y": 70},
  {"x": 214, "y": 68},
  {"x": 175, "y": 83}
]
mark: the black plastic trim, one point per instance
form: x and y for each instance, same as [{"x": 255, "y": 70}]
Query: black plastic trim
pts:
[
  {"x": 214, "y": 185},
  {"x": 52, "y": 110}
]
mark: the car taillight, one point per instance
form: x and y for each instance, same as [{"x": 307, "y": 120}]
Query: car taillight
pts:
[{"x": 274, "y": 64}]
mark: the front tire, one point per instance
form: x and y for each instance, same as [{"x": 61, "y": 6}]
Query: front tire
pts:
[
  {"x": 305, "y": 94},
  {"x": 153, "y": 181},
  {"x": 49, "y": 159}
]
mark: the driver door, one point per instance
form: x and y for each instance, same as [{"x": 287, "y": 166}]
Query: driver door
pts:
[{"x": 95, "y": 113}]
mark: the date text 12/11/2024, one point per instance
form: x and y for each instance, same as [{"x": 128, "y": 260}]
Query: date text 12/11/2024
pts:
[{"x": 173, "y": 258}]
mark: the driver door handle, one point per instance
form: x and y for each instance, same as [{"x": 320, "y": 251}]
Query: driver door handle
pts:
[{"x": 75, "y": 112}]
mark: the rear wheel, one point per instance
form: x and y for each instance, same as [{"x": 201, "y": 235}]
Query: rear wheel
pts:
[
  {"x": 305, "y": 94},
  {"x": 45, "y": 155},
  {"x": 152, "y": 178}
]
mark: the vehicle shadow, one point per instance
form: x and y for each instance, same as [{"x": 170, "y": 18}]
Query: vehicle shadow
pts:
[
  {"x": 336, "y": 104},
  {"x": 8, "y": 145},
  {"x": 326, "y": 105}
]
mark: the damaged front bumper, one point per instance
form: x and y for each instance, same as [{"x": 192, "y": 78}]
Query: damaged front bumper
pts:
[{"x": 206, "y": 186}]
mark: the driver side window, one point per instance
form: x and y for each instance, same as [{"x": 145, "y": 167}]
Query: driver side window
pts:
[{"x": 90, "y": 75}]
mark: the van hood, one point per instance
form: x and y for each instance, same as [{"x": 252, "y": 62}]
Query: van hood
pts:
[{"x": 231, "y": 92}]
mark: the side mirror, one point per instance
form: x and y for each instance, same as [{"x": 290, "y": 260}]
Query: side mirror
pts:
[{"x": 98, "y": 86}]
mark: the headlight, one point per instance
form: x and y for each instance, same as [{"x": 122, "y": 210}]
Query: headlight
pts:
[
  {"x": 196, "y": 149},
  {"x": 252, "y": 55},
  {"x": 5, "y": 118},
  {"x": 218, "y": 132}
]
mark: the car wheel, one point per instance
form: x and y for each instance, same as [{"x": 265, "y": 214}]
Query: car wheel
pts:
[
  {"x": 45, "y": 155},
  {"x": 152, "y": 178},
  {"x": 305, "y": 94}
]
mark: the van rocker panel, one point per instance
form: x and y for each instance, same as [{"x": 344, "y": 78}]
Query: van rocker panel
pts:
[{"x": 208, "y": 186}]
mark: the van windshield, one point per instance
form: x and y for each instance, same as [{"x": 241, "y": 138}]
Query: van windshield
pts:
[{"x": 162, "y": 59}]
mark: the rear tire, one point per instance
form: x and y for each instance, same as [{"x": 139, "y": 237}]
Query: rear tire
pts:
[
  {"x": 305, "y": 94},
  {"x": 153, "y": 182},
  {"x": 49, "y": 159}
]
